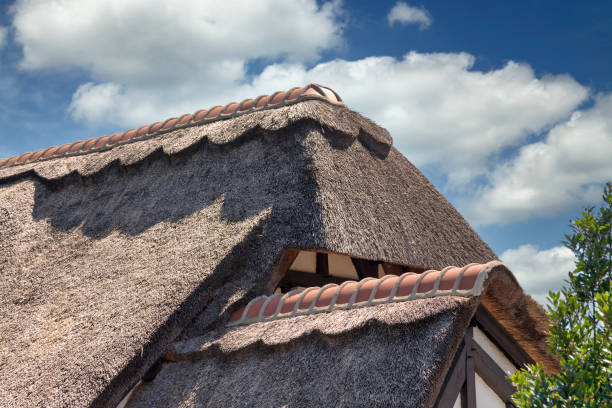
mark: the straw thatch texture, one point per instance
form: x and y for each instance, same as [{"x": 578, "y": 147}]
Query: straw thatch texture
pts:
[
  {"x": 520, "y": 315},
  {"x": 106, "y": 257},
  {"x": 390, "y": 355},
  {"x": 220, "y": 133}
]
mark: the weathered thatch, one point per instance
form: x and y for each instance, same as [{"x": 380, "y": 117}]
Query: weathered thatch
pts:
[
  {"x": 106, "y": 257},
  {"x": 389, "y": 355},
  {"x": 521, "y": 316}
]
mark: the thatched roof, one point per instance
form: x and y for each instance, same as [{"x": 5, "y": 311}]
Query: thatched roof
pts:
[
  {"x": 391, "y": 355},
  {"x": 390, "y": 345},
  {"x": 107, "y": 254}
]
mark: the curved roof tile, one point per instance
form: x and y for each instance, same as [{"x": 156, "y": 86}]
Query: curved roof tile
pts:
[
  {"x": 200, "y": 117},
  {"x": 451, "y": 281}
]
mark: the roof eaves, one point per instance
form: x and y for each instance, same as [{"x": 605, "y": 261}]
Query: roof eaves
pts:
[{"x": 200, "y": 117}]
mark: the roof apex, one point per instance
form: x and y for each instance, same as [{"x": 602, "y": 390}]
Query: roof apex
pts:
[{"x": 203, "y": 116}]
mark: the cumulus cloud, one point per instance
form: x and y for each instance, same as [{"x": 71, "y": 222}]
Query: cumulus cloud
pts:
[
  {"x": 93, "y": 102},
  {"x": 539, "y": 271},
  {"x": 548, "y": 177},
  {"x": 154, "y": 58},
  {"x": 439, "y": 110},
  {"x": 405, "y": 14},
  {"x": 161, "y": 40}
]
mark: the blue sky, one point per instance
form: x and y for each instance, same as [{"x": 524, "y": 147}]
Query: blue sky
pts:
[{"x": 498, "y": 103}]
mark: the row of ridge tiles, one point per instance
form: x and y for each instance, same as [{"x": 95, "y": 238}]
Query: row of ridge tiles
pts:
[
  {"x": 231, "y": 110},
  {"x": 451, "y": 281}
]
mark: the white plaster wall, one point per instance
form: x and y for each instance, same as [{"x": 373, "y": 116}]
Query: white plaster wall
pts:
[
  {"x": 494, "y": 352},
  {"x": 485, "y": 396},
  {"x": 457, "y": 403}
]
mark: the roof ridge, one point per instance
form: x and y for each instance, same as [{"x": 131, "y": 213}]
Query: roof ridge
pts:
[
  {"x": 203, "y": 116},
  {"x": 450, "y": 281}
]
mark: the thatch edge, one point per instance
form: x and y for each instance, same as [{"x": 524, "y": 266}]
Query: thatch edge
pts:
[
  {"x": 218, "y": 342},
  {"x": 443, "y": 318},
  {"x": 521, "y": 316},
  {"x": 231, "y": 110},
  {"x": 336, "y": 118}
]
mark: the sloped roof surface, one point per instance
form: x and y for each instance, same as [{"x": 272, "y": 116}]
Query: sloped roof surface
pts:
[
  {"x": 392, "y": 354},
  {"x": 107, "y": 256},
  {"x": 383, "y": 342}
]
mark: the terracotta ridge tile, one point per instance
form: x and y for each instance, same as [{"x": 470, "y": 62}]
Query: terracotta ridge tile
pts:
[
  {"x": 202, "y": 116},
  {"x": 451, "y": 281}
]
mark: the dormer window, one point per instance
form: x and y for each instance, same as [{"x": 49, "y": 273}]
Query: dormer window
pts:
[{"x": 317, "y": 268}]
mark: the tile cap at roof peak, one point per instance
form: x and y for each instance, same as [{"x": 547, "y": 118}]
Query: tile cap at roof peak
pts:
[
  {"x": 450, "y": 281},
  {"x": 200, "y": 117}
]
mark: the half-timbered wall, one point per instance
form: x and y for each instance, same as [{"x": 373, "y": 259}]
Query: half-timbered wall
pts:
[{"x": 478, "y": 375}]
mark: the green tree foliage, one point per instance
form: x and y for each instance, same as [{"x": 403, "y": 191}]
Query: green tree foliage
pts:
[{"x": 581, "y": 317}]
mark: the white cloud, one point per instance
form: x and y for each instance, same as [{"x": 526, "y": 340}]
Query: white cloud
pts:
[
  {"x": 405, "y": 14},
  {"x": 156, "y": 58},
  {"x": 440, "y": 111},
  {"x": 94, "y": 102},
  {"x": 539, "y": 271},
  {"x": 548, "y": 177},
  {"x": 3, "y": 36},
  {"x": 142, "y": 41}
]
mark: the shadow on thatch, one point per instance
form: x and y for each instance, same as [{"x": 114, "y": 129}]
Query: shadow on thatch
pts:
[
  {"x": 248, "y": 176},
  {"x": 212, "y": 296}
]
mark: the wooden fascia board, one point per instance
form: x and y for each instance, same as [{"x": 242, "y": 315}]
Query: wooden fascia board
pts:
[
  {"x": 492, "y": 374},
  {"x": 454, "y": 381}
]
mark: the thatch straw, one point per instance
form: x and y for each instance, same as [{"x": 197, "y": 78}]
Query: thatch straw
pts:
[
  {"x": 107, "y": 257},
  {"x": 390, "y": 355}
]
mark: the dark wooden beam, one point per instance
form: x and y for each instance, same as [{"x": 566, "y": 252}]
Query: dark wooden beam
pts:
[
  {"x": 464, "y": 396},
  {"x": 280, "y": 268},
  {"x": 470, "y": 374},
  {"x": 487, "y": 323},
  {"x": 396, "y": 269},
  {"x": 322, "y": 267},
  {"x": 415, "y": 269},
  {"x": 307, "y": 279},
  {"x": 365, "y": 268},
  {"x": 492, "y": 374},
  {"x": 393, "y": 269},
  {"x": 454, "y": 381}
]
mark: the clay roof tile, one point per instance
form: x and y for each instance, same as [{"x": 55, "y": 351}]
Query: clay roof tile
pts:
[
  {"x": 230, "y": 108},
  {"x": 214, "y": 112},
  {"x": 102, "y": 141},
  {"x": 49, "y": 152},
  {"x": 90, "y": 144},
  {"x": 76, "y": 147},
  {"x": 276, "y": 100},
  {"x": 35, "y": 156},
  {"x": 62, "y": 149},
  {"x": 451, "y": 281},
  {"x": 23, "y": 158},
  {"x": 184, "y": 119}
]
